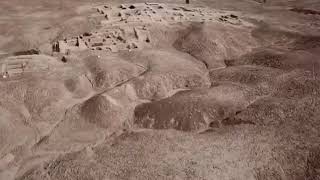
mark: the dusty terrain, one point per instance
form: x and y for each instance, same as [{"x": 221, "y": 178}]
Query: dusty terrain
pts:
[{"x": 217, "y": 90}]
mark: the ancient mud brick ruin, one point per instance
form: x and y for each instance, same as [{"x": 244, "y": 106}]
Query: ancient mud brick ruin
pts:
[
  {"x": 126, "y": 27},
  {"x": 13, "y": 67},
  {"x": 17, "y": 66}
]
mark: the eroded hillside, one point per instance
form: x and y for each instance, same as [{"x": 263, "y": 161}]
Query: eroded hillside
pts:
[{"x": 163, "y": 91}]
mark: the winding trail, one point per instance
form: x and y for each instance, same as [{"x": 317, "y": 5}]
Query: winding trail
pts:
[{"x": 76, "y": 102}]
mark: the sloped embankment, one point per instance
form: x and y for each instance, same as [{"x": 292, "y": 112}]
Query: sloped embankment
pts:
[
  {"x": 195, "y": 109},
  {"x": 212, "y": 43}
]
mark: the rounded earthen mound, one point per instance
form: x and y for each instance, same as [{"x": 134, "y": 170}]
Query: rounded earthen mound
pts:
[
  {"x": 299, "y": 87},
  {"x": 166, "y": 73},
  {"x": 212, "y": 43},
  {"x": 195, "y": 109},
  {"x": 285, "y": 60},
  {"x": 100, "y": 110},
  {"x": 266, "y": 58},
  {"x": 107, "y": 72},
  {"x": 260, "y": 78}
]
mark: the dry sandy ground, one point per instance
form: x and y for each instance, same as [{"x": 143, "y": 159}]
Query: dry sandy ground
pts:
[{"x": 222, "y": 90}]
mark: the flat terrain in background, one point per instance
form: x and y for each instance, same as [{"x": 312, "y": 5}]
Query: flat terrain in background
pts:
[{"x": 217, "y": 89}]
